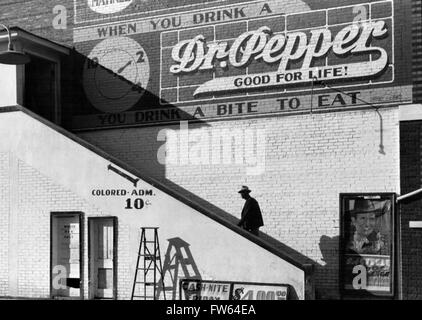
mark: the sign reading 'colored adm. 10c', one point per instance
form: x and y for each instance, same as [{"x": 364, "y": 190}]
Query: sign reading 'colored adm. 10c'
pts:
[{"x": 193, "y": 64}]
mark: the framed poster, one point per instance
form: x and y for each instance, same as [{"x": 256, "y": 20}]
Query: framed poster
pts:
[
  {"x": 367, "y": 244},
  {"x": 192, "y": 289}
]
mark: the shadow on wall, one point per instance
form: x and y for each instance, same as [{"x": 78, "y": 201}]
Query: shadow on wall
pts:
[
  {"x": 329, "y": 247},
  {"x": 178, "y": 264},
  {"x": 144, "y": 144},
  {"x": 330, "y": 272}
]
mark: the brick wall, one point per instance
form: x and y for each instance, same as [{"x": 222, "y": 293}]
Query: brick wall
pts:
[
  {"x": 32, "y": 196},
  {"x": 38, "y": 196},
  {"x": 4, "y": 223},
  {"x": 37, "y": 16},
  {"x": 411, "y": 239},
  {"x": 309, "y": 160}
]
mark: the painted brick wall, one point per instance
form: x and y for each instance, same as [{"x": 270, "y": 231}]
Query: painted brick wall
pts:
[
  {"x": 410, "y": 158},
  {"x": 417, "y": 49},
  {"x": 34, "y": 196},
  {"x": 309, "y": 160},
  {"x": 37, "y": 16},
  {"x": 38, "y": 197},
  {"x": 4, "y": 223}
]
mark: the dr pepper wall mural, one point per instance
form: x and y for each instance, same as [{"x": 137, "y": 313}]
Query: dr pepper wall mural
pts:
[{"x": 147, "y": 62}]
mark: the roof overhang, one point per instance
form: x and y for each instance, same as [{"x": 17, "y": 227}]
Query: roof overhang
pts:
[{"x": 31, "y": 43}]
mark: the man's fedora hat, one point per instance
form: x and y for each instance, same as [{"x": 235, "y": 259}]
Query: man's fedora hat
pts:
[
  {"x": 363, "y": 206},
  {"x": 244, "y": 189}
]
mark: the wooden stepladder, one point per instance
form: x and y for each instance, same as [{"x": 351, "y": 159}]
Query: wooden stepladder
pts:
[{"x": 148, "y": 267}]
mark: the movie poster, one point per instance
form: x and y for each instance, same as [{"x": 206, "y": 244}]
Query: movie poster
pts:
[{"x": 367, "y": 255}]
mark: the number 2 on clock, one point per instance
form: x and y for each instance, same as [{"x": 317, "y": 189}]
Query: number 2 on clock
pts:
[{"x": 141, "y": 56}]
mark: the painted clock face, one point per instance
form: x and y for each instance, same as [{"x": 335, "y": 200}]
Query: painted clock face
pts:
[{"x": 116, "y": 74}]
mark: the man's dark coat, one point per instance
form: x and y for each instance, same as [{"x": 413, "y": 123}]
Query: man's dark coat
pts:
[{"x": 251, "y": 217}]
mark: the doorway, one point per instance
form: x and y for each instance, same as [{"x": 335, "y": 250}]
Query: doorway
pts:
[
  {"x": 66, "y": 252},
  {"x": 41, "y": 88},
  {"x": 102, "y": 252}
]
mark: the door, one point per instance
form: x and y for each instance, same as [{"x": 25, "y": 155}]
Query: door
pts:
[
  {"x": 65, "y": 255},
  {"x": 102, "y": 258}
]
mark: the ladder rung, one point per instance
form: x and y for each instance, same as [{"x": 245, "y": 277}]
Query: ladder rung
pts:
[{"x": 150, "y": 257}]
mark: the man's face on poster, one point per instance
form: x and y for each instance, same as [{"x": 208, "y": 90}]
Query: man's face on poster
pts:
[{"x": 364, "y": 223}]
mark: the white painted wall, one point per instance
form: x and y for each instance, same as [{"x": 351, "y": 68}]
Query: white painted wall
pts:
[
  {"x": 218, "y": 252},
  {"x": 8, "y": 85}
]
